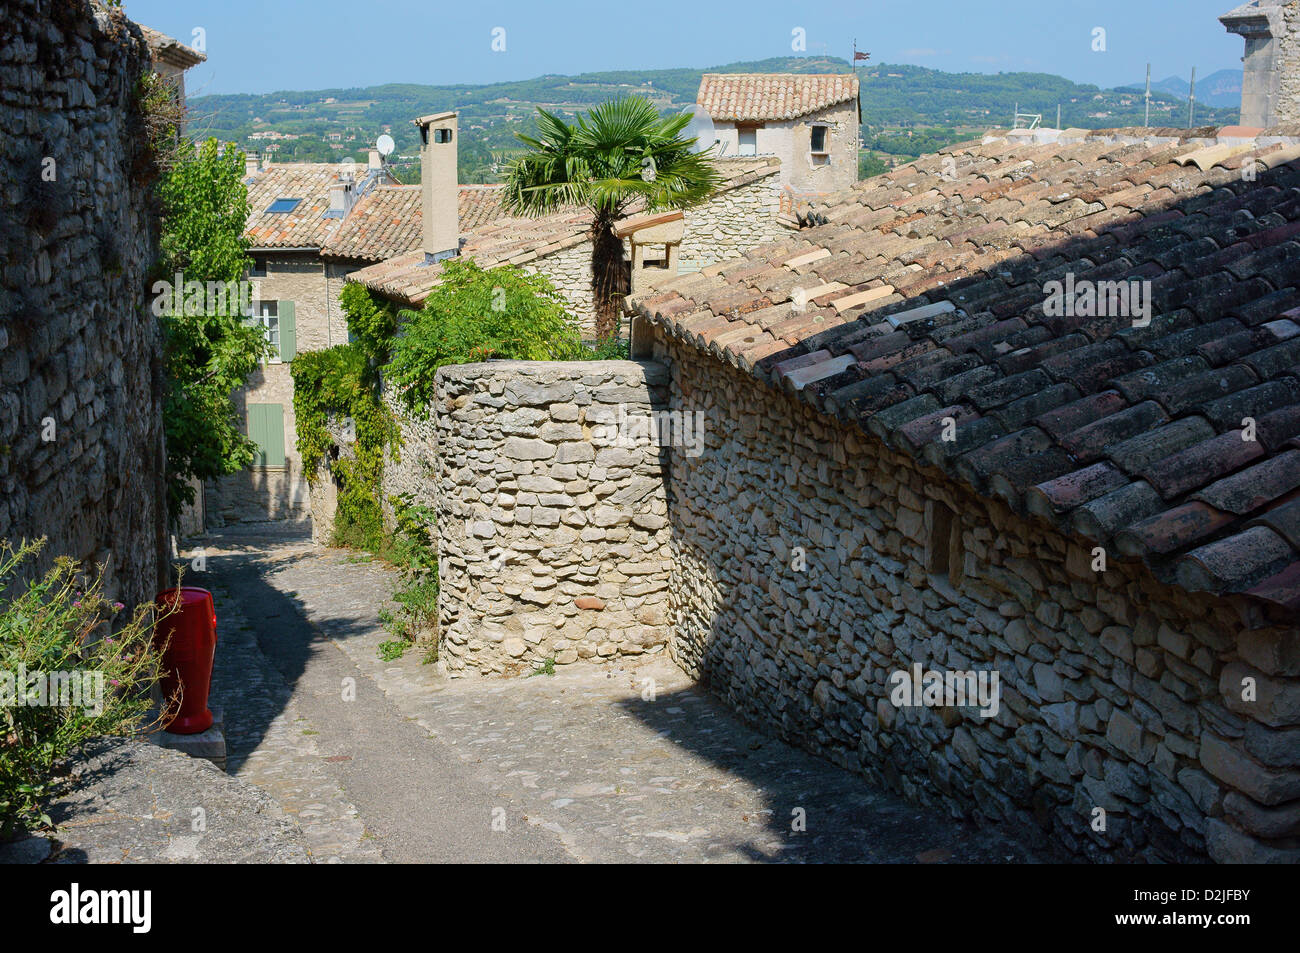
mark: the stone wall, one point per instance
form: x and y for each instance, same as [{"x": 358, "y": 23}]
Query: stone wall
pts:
[
  {"x": 732, "y": 222},
  {"x": 810, "y": 563},
  {"x": 552, "y": 531},
  {"x": 570, "y": 271},
  {"x": 81, "y": 441}
]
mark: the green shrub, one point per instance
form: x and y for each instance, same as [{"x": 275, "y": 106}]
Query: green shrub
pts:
[
  {"x": 57, "y": 634},
  {"x": 475, "y": 315},
  {"x": 414, "y": 551}
]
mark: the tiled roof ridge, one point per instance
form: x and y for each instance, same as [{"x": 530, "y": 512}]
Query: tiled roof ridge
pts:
[
  {"x": 773, "y": 96},
  {"x": 921, "y": 296}
]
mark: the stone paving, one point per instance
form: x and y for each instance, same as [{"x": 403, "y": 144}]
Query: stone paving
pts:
[
  {"x": 138, "y": 803},
  {"x": 628, "y": 761}
]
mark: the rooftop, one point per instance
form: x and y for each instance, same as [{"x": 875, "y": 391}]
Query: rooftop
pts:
[
  {"x": 504, "y": 240},
  {"x": 169, "y": 50},
  {"x": 773, "y": 96},
  {"x": 387, "y": 221},
  {"x": 927, "y": 294}
]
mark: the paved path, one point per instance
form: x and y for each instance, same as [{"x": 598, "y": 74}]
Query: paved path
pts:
[{"x": 585, "y": 765}]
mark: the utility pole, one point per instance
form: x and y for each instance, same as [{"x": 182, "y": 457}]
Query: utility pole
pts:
[
  {"x": 1058, "y": 115},
  {"x": 1146, "y": 121},
  {"x": 1191, "y": 100}
]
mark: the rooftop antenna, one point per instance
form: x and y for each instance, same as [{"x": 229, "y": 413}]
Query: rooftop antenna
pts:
[
  {"x": 1191, "y": 100},
  {"x": 1147, "y": 119},
  {"x": 1058, "y": 115}
]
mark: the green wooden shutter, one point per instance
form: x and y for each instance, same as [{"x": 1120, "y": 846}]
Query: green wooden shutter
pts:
[
  {"x": 288, "y": 331},
  {"x": 266, "y": 429}
]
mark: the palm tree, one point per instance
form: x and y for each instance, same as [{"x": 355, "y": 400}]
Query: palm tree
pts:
[{"x": 620, "y": 156}]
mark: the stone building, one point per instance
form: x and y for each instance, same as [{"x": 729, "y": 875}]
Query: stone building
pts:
[
  {"x": 311, "y": 225},
  {"x": 171, "y": 58},
  {"x": 1270, "y": 89},
  {"x": 808, "y": 121},
  {"x": 1019, "y": 421},
  {"x": 81, "y": 388}
]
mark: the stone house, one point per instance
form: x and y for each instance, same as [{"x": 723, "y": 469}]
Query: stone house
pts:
[
  {"x": 808, "y": 121},
  {"x": 1024, "y": 414},
  {"x": 311, "y": 225}
]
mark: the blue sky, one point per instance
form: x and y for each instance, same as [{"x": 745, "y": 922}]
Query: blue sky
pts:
[{"x": 266, "y": 45}]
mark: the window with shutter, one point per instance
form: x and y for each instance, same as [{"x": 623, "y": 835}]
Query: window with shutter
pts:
[
  {"x": 266, "y": 429},
  {"x": 288, "y": 331}
]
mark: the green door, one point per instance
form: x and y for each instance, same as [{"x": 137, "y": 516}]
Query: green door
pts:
[{"x": 266, "y": 429}]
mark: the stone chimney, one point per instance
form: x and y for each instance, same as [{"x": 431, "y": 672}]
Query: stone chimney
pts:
[
  {"x": 439, "y": 198},
  {"x": 375, "y": 160},
  {"x": 252, "y": 163},
  {"x": 1270, "y": 84}
]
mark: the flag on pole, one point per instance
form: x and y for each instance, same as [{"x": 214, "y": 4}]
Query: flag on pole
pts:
[{"x": 861, "y": 56}]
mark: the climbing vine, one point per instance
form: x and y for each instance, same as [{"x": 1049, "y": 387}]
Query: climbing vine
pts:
[{"x": 342, "y": 422}]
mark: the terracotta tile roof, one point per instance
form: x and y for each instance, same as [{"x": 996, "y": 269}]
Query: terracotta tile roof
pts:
[
  {"x": 305, "y": 226},
  {"x": 923, "y": 294},
  {"x": 772, "y": 96},
  {"x": 506, "y": 241},
  {"x": 387, "y": 221},
  {"x": 480, "y": 204},
  {"x": 510, "y": 240}
]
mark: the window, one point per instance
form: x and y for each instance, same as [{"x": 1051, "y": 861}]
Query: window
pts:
[
  {"x": 748, "y": 139},
  {"x": 820, "y": 140},
  {"x": 277, "y": 321},
  {"x": 259, "y": 267},
  {"x": 268, "y": 316},
  {"x": 282, "y": 205},
  {"x": 944, "y": 558},
  {"x": 442, "y": 135},
  {"x": 266, "y": 429}
]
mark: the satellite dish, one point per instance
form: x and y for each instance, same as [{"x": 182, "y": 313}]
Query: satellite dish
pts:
[
  {"x": 385, "y": 145},
  {"x": 700, "y": 128}
]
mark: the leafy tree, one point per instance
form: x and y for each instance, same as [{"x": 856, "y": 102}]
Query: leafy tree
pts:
[
  {"x": 475, "y": 314},
  {"x": 869, "y": 165},
  {"x": 620, "y": 154},
  {"x": 209, "y": 350}
]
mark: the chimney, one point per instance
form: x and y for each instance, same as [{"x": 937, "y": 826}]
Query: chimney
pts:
[
  {"x": 1270, "y": 83},
  {"x": 342, "y": 197},
  {"x": 439, "y": 198},
  {"x": 252, "y": 161},
  {"x": 375, "y": 161}
]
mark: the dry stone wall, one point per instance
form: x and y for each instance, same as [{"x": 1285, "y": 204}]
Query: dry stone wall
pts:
[
  {"x": 81, "y": 442},
  {"x": 732, "y": 222},
  {"x": 552, "y": 514},
  {"x": 806, "y": 573}
]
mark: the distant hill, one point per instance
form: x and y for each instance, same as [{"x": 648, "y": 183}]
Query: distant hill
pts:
[
  {"x": 1221, "y": 90},
  {"x": 320, "y": 125}
]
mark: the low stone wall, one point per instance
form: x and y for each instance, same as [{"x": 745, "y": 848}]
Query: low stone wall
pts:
[
  {"x": 552, "y": 514},
  {"x": 81, "y": 437},
  {"x": 811, "y": 564}
]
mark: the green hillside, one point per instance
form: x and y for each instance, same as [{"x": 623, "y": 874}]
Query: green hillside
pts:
[{"x": 905, "y": 110}]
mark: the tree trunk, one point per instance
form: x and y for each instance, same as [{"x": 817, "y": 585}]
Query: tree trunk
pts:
[{"x": 611, "y": 279}]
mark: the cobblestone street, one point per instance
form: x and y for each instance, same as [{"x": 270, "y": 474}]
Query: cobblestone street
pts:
[{"x": 578, "y": 766}]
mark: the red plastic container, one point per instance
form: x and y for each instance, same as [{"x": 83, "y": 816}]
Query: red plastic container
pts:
[{"x": 190, "y": 636}]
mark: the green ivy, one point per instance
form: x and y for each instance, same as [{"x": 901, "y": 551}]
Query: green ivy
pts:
[{"x": 339, "y": 385}]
